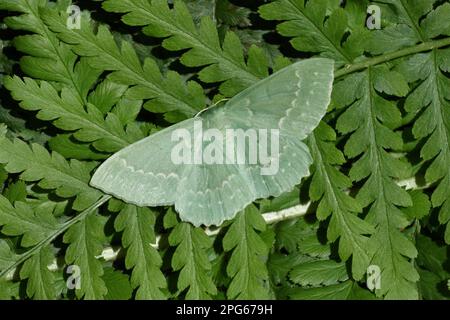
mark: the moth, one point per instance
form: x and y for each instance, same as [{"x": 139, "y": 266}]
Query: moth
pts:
[{"x": 214, "y": 165}]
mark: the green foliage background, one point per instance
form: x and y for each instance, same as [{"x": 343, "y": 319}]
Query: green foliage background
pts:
[{"x": 71, "y": 98}]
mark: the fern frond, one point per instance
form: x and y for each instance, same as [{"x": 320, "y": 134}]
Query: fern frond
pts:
[
  {"x": 53, "y": 61},
  {"x": 308, "y": 271},
  {"x": 414, "y": 22},
  {"x": 137, "y": 225},
  {"x": 34, "y": 227},
  {"x": 429, "y": 100},
  {"x": 246, "y": 267},
  {"x": 328, "y": 187},
  {"x": 40, "y": 280},
  {"x": 434, "y": 275},
  {"x": 167, "y": 94},
  {"x": 51, "y": 171},
  {"x": 190, "y": 258},
  {"x": 220, "y": 62},
  {"x": 47, "y": 58},
  {"x": 371, "y": 119},
  {"x": 7, "y": 256},
  {"x": 318, "y": 26},
  {"x": 348, "y": 290},
  {"x": 68, "y": 113},
  {"x": 118, "y": 285},
  {"x": 9, "y": 290},
  {"x": 22, "y": 220},
  {"x": 320, "y": 272},
  {"x": 85, "y": 244}
]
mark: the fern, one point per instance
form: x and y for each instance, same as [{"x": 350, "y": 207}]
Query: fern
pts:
[
  {"x": 43, "y": 49},
  {"x": 22, "y": 221},
  {"x": 221, "y": 62},
  {"x": 168, "y": 94},
  {"x": 433, "y": 272},
  {"x": 322, "y": 272},
  {"x": 316, "y": 26},
  {"x": 137, "y": 225},
  {"x": 85, "y": 243},
  {"x": 69, "y": 114},
  {"x": 190, "y": 259},
  {"x": 87, "y": 93},
  {"x": 245, "y": 267},
  {"x": 371, "y": 138},
  {"x": 118, "y": 285},
  {"x": 51, "y": 171},
  {"x": 7, "y": 256},
  {"x": 40, "y": 284},
  {"x": 308, "y": 271},
  {"x": 328, "y": 185},
  {"x": 433, "y": 124}
]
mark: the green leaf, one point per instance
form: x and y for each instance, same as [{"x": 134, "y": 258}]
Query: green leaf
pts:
[
  {"x": 370, "y": 120},
  {"x": 16, "y": 191},
  {"x": 137, "y": 225},
  {"x": 429, "y": 101},
  {"x": 68, "y": 113},
  {"x": 246, "y": 267},
  {"x": 279, "y": 266},
  {"x": 316, "y": 26},
  {"x": 83, "y": 93},
  {"x": 85, "y": 244},
  {"x": 9, "y": 290},
  {"x": 67, "y": 146},
  {"x": 308, "y": 272},
  {"x": 434, "y": 273},
  {"x": 118, "y": 285},
  {"x": 322, "y": 272},
  {"x": 347, "y": 290},
  {"x": 328, "y": 187},
  {"x": 284, "y": 201},
  {"x": 51, "y": 171},
  {"x": 232, "y": 15},
  {"x": 21, "y": 220},
  {"x": 413, "y": 22},
  {"x": 432, "y": 287},
  {"x": 46, "y": 58},
  {"x": 432, "y": 257},
  {"x": 7, "y": 256},
  {"x": 41, "y": 281},
  {"x": 53, "y": 61},
  {"x": 421, "y": 205},
  {"x": 301, "y": 236},
  {"x": 168, "y": 94},
  {"x": 191, "y": 260},
  {"x": 221, "y": 62}
]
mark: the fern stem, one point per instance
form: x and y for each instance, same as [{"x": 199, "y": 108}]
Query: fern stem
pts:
[
  {"x": 54, "y": 235},
  {"x": 423, "y": 47}
]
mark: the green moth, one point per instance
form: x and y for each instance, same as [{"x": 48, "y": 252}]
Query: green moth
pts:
[{"x": 217, "y": 163}]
